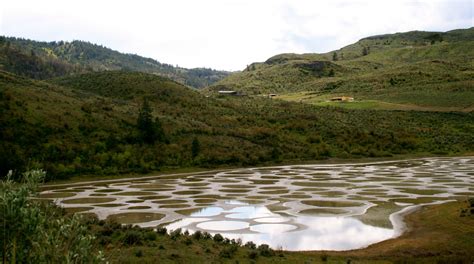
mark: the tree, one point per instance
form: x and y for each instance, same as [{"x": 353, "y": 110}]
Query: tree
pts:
[
  {"x": 334, "y": 56},
  {"x": 195, "y": 148},
  {"x": 365, "y": 51},
  {"x": 150, "y": 130},
  {"x": 331, "y": 73}
]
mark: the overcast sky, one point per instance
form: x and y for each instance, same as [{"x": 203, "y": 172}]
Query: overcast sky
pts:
[{"x": 226, "y": 34}]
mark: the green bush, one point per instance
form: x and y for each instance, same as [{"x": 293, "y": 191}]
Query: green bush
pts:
[
  {"x": 218, "y": 238},
  {"x": 132, "y": 237},
  {"x": 37, "y": 232}
]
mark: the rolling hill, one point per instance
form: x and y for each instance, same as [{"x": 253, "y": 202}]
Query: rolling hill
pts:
[
  {"x": 416, "y": 70},
  {"x": 87, "y": 124},
  {"x": 42, "y": 60}
]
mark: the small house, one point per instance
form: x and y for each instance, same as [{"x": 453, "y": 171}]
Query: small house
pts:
[
  {"x": 342, "y": 99},
  {"x": 225, "y": 92}
]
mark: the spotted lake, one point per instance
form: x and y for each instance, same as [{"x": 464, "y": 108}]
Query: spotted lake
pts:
[{"x": 297, "y": 207}]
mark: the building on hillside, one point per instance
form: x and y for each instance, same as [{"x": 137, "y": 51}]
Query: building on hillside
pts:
[
  {"x": 342, "y": 99},
  {"x": 226, "y": 92},
  {"x": 272, "y": 95}
]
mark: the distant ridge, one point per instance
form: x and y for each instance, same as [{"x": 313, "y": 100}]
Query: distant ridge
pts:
[{"x": 41, "y": 60}]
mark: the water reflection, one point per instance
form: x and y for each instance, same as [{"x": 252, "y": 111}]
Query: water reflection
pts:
[
  {"x": 223, "y": 225},
  {"x": 249, "y": 212},
  {"x": 261, "y": 226},
  {"x": 208, "y": 211}
]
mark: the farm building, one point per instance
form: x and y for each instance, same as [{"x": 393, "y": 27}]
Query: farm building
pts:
[
  {"x": 342, "y": 99},
  {"x": 222, "y": 92}
]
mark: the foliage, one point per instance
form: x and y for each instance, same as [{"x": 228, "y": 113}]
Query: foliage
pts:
[{"x": 35, "y": 232}]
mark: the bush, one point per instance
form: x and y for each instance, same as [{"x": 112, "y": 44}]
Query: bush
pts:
[
  {"x": 206, "y": 235},
  {"x": 175, "y": 234},
  {"x": 139, "y": 253},
  {"x": 228, "y": 252},
  {"x": 132, "y": 237},
  {"x": 197, "y": 235},
  {"x": 253, "y": 254},
  {"x": 265, "y": 250},
  {"x": 161, "y": 230},
  {"x": 150, "y": 236},
  {"x": 218, "y": 238},
  {"x": 324, "y": 257},
  {"x": 188, "y": 241},
  {"x": 251, "y": 245},
  {"x": 38, "y": 232}
]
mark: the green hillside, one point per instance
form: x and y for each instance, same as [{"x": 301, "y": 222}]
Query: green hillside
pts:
[
  {"x": 87, "y": 124},
  {"x": 414, "y": 71},
  {"x": 42, "y": 60}
]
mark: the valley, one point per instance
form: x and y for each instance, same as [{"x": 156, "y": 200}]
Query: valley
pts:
[{"x": 360, "y": 154}]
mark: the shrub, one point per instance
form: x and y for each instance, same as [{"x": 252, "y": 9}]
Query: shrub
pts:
[
  {"x": 36, "y": 232},
  {"x": 175, "y": 234},
  {"x": 197, "y": 235},
  {"x": 206, "y": 235},
  {"x": 218, "y": 238},
  {"x": 265, "y": 250},
  {"x": 188, "y": 241},
  {"x": 253, "y": 254},
  {"x": 161, "y": 230},
  {"x": 228, "y": 252},
  {"x": 251, "y": 245},
  {"x": 324, "y": 257},
  {"x": 139, "y": 253},
  {"x": 150, "y": 236},
  {"x": 132, "y": 237}
]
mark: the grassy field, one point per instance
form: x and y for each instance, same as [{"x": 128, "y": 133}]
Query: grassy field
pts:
[{"x": 324, "y": 100}]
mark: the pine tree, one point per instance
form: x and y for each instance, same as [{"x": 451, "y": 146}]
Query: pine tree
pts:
[
  {"x": 334, "y": 56},
  {"x": 150, "y": 129},
  {"x": 365, "y": 51},
  {"x": 195, "y": 148}
]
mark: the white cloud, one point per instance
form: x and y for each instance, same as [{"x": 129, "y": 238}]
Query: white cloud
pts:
[{"x": 225, "y": 34}]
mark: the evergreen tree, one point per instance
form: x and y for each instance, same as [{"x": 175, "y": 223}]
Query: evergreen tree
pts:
[
  {"x": 334, "y": 56},
  {"x": 195, "y": 148},
  {"x": 150, "y": 129},
  {"x": 365, "y": 51},
  {"x": 331, "y": 73}
]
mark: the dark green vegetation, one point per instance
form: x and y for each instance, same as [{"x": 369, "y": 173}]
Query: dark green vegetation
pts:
[
  {"x": 469, "y": 209},
  {"x": 40, "y": 232},
  {"x": 88, "y": 124},
  {"x": 42, "y": 60},
  {"x": 404, "y": 71},
  {"x": 32, "y": 231}
]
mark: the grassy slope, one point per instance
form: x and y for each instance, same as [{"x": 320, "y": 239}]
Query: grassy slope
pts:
[
  {"x": 403, "y": 68},
  {"x": 86, "y": 124}
]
